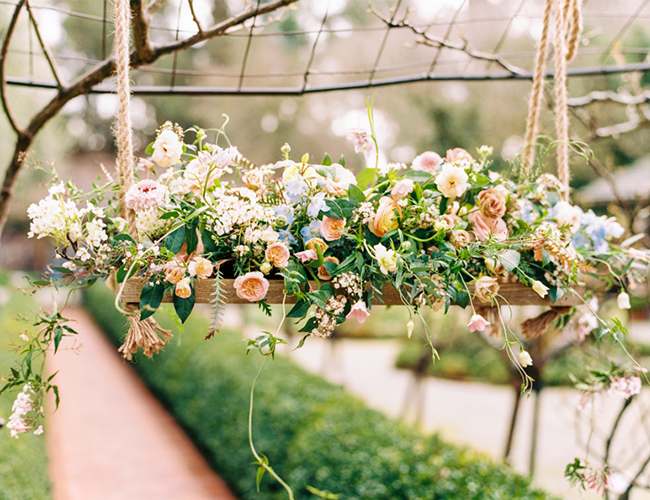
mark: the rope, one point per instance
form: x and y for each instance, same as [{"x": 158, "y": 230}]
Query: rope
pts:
[
  {"x": 535, "y": 103},
  {"x": 123, "y": 123},
  {"x": 561, "y": 105},
  {"x": 576, "y": 29}
]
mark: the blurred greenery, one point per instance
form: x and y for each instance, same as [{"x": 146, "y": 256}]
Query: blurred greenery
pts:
[
  {"x": 23, "y": 461},
  {"x": 312, "y": 431}
]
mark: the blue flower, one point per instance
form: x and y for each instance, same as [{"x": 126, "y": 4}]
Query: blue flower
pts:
[
  {"x": 311, "y": 231},
  {"x": 284, "y": 211},
  {"x": 286, "y": 237},
  {"x": 317, "y": 205}
]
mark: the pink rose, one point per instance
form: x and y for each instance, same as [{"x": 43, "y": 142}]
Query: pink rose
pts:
[
  {"x": 492, "y": 203},
  {"x": 331, "y": 229},
  {"x": 252, "y": 286},
  {"x": 359, "y": 312},
  {"x": 306, "y": 255},
  {"x": 484, "y": 226},
  {"x": 401, "y": 189},
  {"x": 385, "y": 219},
  {"x": 278, "y": 254},
  {"x": 341, "y": 182},
  {"x": 458, "y": 154},
  {"x": 145, "y": 194},
  {"x": 427, "y": 161}
]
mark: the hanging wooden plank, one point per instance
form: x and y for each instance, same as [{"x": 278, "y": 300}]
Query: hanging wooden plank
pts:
[{"x": 514, "y": 294}]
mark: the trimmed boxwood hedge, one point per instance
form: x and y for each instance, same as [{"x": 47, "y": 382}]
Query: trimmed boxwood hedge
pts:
[{"x": 312, "y": 431}]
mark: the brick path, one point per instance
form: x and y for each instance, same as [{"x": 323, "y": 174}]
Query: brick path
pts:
[{"x": 110, "y": 439}]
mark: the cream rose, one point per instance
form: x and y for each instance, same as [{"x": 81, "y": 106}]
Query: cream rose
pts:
[
  {"x": 332, "y": 229},
  {"x": 167, "y": 149},
  {"x": 316, "y": 242},
  {"x": 201, "y": 267},
  {"x": 252, "y": 286},
  {"x": 387, "y": 259},
  {"x": 485, "y": 288},
  {"x": 567, "y": 216},
  {"x": 174, "y": 273},
  {"x": 278, "y": 254},
  {"x": 492, "y": 203},
  {"x": 385, "y": 219},
  {"x": 183, "y": 288},
  {"x": 452, "y": 181},
  {"x": 460, "y": 238},
  {"x": 342, "y": 180}
]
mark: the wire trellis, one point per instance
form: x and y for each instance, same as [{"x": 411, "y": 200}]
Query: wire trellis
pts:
[{"x": 318, "y": 45}]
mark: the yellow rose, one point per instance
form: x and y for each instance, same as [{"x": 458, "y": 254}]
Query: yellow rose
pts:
[{"x": 385, "y": 219}]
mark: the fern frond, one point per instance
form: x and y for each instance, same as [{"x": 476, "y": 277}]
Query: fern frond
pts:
[{"x": 218, "y": 304}]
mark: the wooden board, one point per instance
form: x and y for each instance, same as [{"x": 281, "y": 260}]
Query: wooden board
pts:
[{"x": 514, "y": 294}]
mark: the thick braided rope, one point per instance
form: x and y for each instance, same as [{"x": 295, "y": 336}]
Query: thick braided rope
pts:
[
  {"x": 575, "y": 18},
  {"x": 123, "y": 124},
  {"x": 561, "y": 106},
  {"x": 535, "y": 103}
]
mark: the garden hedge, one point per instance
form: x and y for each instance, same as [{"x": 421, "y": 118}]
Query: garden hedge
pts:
[{"x": 312, "y": 431}]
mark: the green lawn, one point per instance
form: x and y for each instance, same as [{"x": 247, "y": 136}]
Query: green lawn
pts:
[{"x": 23, "y": 461}]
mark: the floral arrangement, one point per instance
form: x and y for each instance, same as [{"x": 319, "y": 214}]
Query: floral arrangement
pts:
[{"x": 444, "y": 230}]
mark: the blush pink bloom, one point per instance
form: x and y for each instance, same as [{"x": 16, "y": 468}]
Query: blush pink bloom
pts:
[
  {"x": 167, "y": 149},
  {"x": 201, "y": 267},
  {"x": 341, "y": 182},
  {"x": 362, "y": 142},
  {"x": 427, "y": 161},
  {"x": 458, "y": 154},
  {"x": 401, "y": 189},
  {"x": 332, "y": 229},
  {"x": 483, "y": 227},
  {"x": 145, "y": 194},
  {"x": 278, "y": 254},
  {"x": 452, "y": 181},
  {"x": 477, "y": 323},
  {"x": 251, "y": 286},
  {"x": 359, "y": 312},
  {"x": 306, "y": 255}
]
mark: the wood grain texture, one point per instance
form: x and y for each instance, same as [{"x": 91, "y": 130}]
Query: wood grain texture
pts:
[{"x": 514, "y": 294}]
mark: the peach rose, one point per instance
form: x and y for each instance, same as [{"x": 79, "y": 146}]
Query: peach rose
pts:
[
  {"x": 251, "y": 286},
  {"x": 201, "y": 267},
  {"x": 332, "y": 229},
  {"x": 460, "y": 238},
  {"x": 492, "y": 203},
  {"x": 401, "y": 189},
  {"x": 316, "y": 242},
  {"x": 174, "y": 273},
  {"x": 322, "y": 272},
  {"x": 183, "y": 288},
  {"x": 483, "y": 227},
  {"x": 385, "y": 219},
  {"x": 253, "y": 179},
  {"x": 341, "y": 183},
  {"x": 485, "y": 288},
  {"x": 278, "y": 254},
  {"x": 458, "y": 154}
]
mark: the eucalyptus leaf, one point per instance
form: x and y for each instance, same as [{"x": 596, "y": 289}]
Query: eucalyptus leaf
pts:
[{"x": 509, "y": 259}]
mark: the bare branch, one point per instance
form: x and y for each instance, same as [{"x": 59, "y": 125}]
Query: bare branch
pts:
[
  {"x": 140, "y": 19},
  {"x": 154, "y": 6},
  {"x": 437, "y": 42},
  {"x": 46, "y": 50},
  {"x": 3, "y": 65},
  {"x": 609, "y": 96},
  {"x": 196, "y": 19}
]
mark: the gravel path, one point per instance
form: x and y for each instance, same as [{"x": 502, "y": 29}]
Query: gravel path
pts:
[{"x": 110, "y": 439}]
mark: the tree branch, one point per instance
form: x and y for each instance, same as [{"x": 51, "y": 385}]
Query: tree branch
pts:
[
  {"x": 140, "y": 19},
  {"x": 609, "y": 96},
  {"x": 432, "y": 41},
  {"x": 46, "y": 50},
  {"x": 196, "y": 19},
  {"x": 3, "y": 64},
  {"x": 154, "y": 6}
]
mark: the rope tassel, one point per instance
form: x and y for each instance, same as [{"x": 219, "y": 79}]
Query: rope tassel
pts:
[
  {"x": 145, "y": 334},
  {"x": 534, "y": 327}
]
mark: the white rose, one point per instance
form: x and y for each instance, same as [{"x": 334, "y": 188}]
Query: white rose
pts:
[
  {"x": 387, "y": 258},
  {"x": 167, "y": 149},
  {"x": 568, "y": 216}
]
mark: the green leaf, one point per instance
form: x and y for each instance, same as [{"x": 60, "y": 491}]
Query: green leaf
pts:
[
  {"x": 184, "y": 307},
  {"x": 191, "y": 237},
  {"x": 150, "y": 298},
  {"x": 149, "y": 149},
  {"x": 555, "y": 293},
  {"x": 481, "y": 180},
  {"x": 302, "y": 341},
  {"x": 462, "y": 298},
  {"x": 342, "y": 161},
  {"x": 355, "y": 194},
  {"x": 58, "y": 335},
  {"x": 299, "y": 310},
  {"x": 174, "y": 241},
  {"x": 326, "y": 171},
  {"x": 509, "y": 259},
  {"x": 28, "y": 363},
  {"x": 208, "y": 242},
  {"x": 122, "y": 237},
  {"x": 327, "y": 161},
  {"x": 55, "y": 389},
  {"x": 366, "y": 176},
  {"x": 420, "y": 176},
  {"x": 260, "y": 475}
]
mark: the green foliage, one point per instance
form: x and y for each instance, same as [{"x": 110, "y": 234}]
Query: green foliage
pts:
[
  {"x": 23, "y": 461},
  {"x": 312, "y": 432}
]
